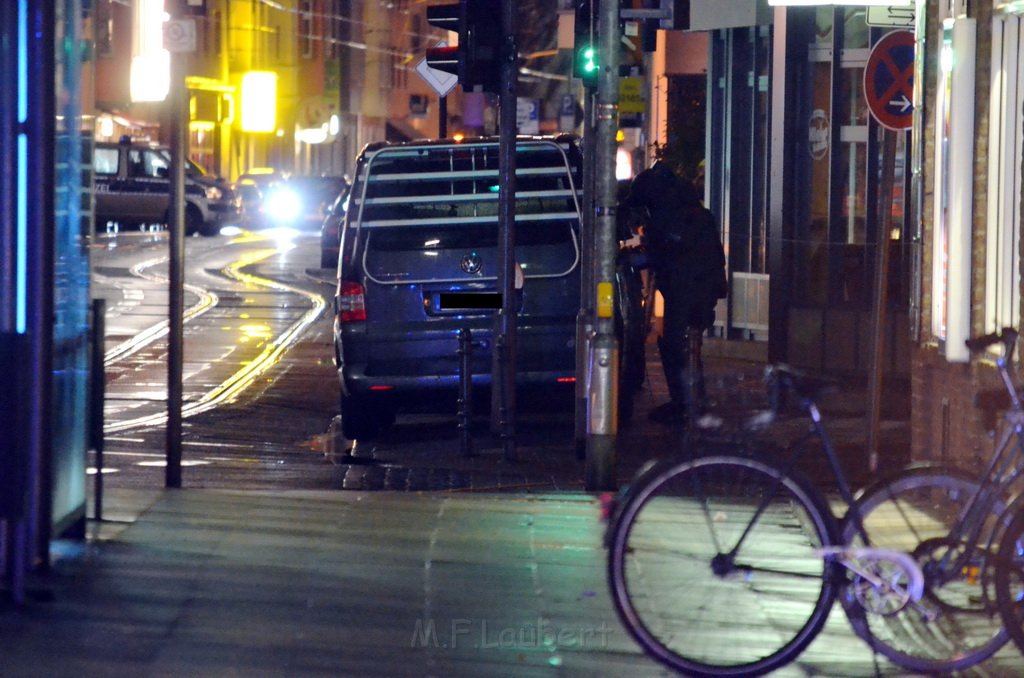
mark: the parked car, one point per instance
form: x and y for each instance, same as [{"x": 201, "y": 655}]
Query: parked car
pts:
[
  {"x": 132, "y": 189},
  {"x": 418, "y": 262},
  {"x": 330, "y": 230},
  {"x": 251, "y": 187},
  {"x": 224, "y": 201}
]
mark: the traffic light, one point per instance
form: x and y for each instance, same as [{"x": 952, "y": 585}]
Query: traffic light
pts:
[
  {"x": 585, "y": 65},
  {"x": 477, "y": 58}
]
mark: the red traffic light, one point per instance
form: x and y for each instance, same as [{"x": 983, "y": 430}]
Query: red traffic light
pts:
[
  {"x": 476, "y": 59},
  {"x": 445, "y": 59}
]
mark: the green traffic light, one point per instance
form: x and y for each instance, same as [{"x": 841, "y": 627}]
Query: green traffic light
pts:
[{"x": 589, "y": 60}]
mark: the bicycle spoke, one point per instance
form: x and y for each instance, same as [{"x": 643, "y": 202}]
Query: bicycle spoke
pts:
[{"x": 955, "y": 624}]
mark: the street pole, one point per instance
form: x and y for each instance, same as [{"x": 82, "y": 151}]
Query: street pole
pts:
[
  {"x": 881, "y": 295},
  {"x": 585, "y": 317},
  {"x": 503, "y": 379},
  {"x": 178, "y": 104},
  {"x": 603, "y": 377},
  {"x": 442, "y": 116}
]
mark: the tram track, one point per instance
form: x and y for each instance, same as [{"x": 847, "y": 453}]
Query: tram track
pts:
[{"x": 227, "y": 389}]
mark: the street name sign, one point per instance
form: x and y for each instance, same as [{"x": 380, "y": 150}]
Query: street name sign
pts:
[{"x": 899, "y": 16}]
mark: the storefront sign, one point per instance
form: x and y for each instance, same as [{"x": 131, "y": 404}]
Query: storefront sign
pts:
[{"x": 631, "y": 95}]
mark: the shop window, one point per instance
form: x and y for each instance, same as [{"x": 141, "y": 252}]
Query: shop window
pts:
[
  {"x": 306, "y": 28},
  {"x": 334, "y": 30}
]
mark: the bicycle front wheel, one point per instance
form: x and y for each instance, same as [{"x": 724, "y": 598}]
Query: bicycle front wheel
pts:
[
  {"x": 715, "y": 565},
  {"x": 1010, "y": 579},
  {"x": 955, "y": 624}
]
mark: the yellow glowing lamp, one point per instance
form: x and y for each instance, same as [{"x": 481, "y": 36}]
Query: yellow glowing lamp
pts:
[
  {"x": 458, "y": 136},
  {"x": 259, "y": 101}
]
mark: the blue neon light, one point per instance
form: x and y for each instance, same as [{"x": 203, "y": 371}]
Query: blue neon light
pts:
[
  {"x": 21, "y": 284},
  {"x": 22, "y": 60},
  {"x": 21, "y": 200}
]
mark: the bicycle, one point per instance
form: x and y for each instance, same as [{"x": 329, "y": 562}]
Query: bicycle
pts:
[
  {"x": 911, "y": 560},
  {"x": 1009, "y": 577},
  {"x": 1010, "y": 580}
]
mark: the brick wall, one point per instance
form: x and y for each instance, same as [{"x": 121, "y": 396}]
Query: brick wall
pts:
[{"x": 946, "y": 424}]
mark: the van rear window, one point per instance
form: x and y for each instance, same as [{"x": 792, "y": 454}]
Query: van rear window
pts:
[
  {"x": 402, "y": 239},
  {"x": 443, "y": 185}
]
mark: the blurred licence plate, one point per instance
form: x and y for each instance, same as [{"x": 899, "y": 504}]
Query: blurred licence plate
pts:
[{"x": 450, "y": 301}]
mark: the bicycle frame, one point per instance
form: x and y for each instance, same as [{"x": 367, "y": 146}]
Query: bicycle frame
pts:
[{"x": 1005, "y": 466}]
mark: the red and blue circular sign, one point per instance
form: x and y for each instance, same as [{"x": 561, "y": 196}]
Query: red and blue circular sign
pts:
[{"x": 889, "y": 80}]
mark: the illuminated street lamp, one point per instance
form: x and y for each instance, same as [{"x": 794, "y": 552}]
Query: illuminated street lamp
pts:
[{"x": 259, "y": 101}]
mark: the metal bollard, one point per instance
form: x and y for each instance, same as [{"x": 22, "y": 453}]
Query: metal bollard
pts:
[
  {"x": 465, "y": 411},
  {"x": 97, "y": 397},
  {"x": 602, "y": 413}
]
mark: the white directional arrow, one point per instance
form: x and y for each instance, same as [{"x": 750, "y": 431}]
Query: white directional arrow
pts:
[{"x": 903, "y": 102}]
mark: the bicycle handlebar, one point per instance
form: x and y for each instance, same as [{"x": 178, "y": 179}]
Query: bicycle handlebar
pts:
[
  {"x": 781, "y": 378},
  {"x": 1006, "y": 336}
]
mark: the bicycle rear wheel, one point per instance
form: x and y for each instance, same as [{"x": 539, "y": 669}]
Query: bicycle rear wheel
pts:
[
  {"x": 1010, "y": 579},
  {"x": 956, "y": 623},
  {"x": 714, "y": 565}
]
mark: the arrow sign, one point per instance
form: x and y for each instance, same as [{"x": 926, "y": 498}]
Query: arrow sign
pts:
[
  {"x": 902, "y": 103},
  {"x": 889, "y": 80}
]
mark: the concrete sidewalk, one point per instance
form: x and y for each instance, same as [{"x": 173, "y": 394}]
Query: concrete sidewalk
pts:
[
  {"x": 220, "y": 583},
  {"x": 201, "y": 582},
  {"x": 217, "y": 583}
]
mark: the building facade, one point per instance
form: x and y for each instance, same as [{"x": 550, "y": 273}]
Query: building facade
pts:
[
  {"x": 971, "y": 219},
  {"x": 343, "y": 75}
]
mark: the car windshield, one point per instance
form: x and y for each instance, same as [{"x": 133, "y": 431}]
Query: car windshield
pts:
[{"x": 191, "y": 168}]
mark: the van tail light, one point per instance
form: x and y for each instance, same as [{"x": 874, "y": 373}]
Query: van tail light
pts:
[{"x": 350, "y": 301}]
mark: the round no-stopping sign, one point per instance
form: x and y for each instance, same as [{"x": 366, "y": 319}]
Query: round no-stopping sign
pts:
[{"x": 889, "y": 80}]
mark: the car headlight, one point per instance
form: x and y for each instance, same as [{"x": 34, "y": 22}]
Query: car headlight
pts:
[
  {"x": 283, "y": 204},
  {"x": 214, "y": 193}
]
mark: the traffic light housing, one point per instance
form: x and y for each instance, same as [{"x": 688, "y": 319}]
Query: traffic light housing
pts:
[
  {"x": 477, "y": 58},
  {"x": 585, "y": 64}
]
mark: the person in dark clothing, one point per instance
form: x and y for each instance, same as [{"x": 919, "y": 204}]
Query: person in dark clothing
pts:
[{"x": 685, "y": 253}]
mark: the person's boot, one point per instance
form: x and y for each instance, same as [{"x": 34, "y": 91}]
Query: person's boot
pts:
[{"x": 674, "y": 411}]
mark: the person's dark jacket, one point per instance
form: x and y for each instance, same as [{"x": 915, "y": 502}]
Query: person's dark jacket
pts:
[{"x": 680, "y": 235}]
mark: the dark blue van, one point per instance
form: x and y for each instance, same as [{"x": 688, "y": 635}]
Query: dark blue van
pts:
[{"x": 419, "y": 247}]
